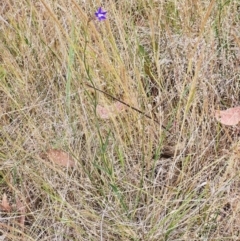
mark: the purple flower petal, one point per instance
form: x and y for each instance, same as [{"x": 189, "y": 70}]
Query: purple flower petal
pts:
[{"x": 100, "y": 14}]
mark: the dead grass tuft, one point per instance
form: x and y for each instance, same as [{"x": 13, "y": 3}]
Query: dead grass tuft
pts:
[{"x": 129, "y": 178}]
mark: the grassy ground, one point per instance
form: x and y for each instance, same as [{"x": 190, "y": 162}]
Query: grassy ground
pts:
[{"x": 133, "y": 179}]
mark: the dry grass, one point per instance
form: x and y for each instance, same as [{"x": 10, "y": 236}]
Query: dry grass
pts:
[{"x": 176, "y": 61}]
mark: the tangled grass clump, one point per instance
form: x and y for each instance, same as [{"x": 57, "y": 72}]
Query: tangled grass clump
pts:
[{"x": 158, "y": 166}]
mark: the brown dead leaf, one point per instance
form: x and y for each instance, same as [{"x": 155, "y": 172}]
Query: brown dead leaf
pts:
[
  {"x": 229, "y": 117},
  {"x": 119, "y": 106},
  {"x": 105, "y": 112},
  {"x": 22, "y": 210},
  {"x": 60, "y": 158},
  {"x": 5, "y": 204}
]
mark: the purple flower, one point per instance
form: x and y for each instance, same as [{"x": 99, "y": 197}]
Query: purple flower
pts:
[{"x": 100, "y": 14}]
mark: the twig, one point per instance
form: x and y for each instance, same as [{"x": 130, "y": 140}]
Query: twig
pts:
[{"x": 124, "y": 103}]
